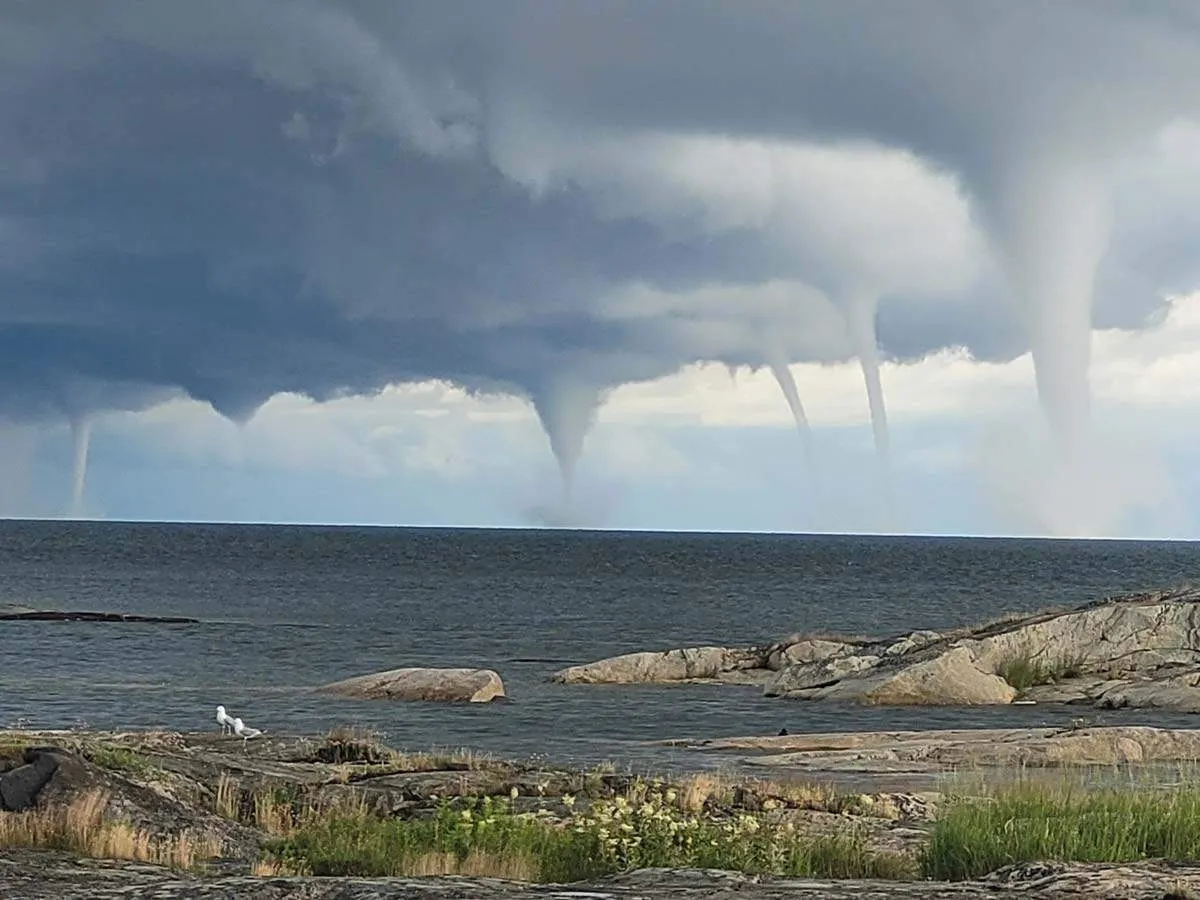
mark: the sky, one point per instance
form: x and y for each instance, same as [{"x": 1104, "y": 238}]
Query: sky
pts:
[{"x": 665, "y": 265}]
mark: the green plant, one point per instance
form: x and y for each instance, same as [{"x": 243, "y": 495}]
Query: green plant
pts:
[
  {"x": 972, "y": 837},
  {"x": 1025, "y": 670},
  {"x": 648, "y": 828},
  {"x": 119, "y": 759}
]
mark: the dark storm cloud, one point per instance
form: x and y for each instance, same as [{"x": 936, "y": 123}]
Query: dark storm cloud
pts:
[
  {"x": 179, "y": 237},
  {"x": 237, "y": 199}
]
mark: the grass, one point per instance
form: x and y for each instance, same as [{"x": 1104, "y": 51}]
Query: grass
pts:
[
  {"x": 488, "y": 837},
  {"x": 228, "y": 802},
  {"x": 119, "y": 759},
  {"x": 356, "y": 752},
  {"x": 647, "y": 826},
  {"x": 1024, "y": 670},
  {"x": 353, "y": 744},
  {"x": 1025, "y": 823},
  {"x": 81, "y": 828},
  {"x": 712, "y": 820},
  {"x": 690, "y": 825},
  {"x": 606, "y": 827},
  {"x": 698, "y": 790}
]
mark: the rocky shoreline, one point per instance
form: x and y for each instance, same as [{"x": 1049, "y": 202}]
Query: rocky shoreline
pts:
[
  {"x": 205, "y": 792},
  {"x": 170, "y": 783},
  {"x": 1136, "y": 651},
  {"x": 1140, "y": 651}
]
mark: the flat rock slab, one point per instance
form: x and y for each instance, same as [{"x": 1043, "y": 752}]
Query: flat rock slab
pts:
[
  {"x": 53, "y": 615},
  {"x": 935, "y": 752},
  {"x": 691, "y": 664},
  {"x": 444, "y": 685},
  {"x": 39, "y": 876}
]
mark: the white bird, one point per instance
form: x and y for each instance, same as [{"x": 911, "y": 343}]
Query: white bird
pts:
[
  {"x": 224, "y": 720},
  {"x": 244, "y": 731}
]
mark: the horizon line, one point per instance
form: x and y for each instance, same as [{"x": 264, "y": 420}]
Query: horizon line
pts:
[{"x": 593, "y": 529}]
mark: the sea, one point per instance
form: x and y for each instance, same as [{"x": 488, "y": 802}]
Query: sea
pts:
[{"x": 285, "y": 609}]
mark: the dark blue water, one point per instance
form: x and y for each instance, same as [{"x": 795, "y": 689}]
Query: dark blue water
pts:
[{"x": 288, "y": 608}]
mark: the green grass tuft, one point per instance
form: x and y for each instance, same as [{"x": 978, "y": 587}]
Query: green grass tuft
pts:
[
  {"x": 487, "y": 837},
  {"x": 119, "y": 759},
  {"x": 1024, "y": 671},
  {"x": 973, "y": 837}
]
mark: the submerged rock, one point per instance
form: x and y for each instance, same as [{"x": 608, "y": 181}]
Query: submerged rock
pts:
[
  {"x": 444, "y": 685},
  {"x": 24, "y": 614}
]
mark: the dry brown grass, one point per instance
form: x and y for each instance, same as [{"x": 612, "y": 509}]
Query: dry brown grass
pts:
[
  {"x": 358, "y": 752},
  {"x": 514, "y": 866},
  {"x": 80, "y": 827},
  {"x": 229, "y": 797},
  {"x": 804, "y": 794},
  {"x": 273, "y": 813},
  {"x": 354, "y": 734},
  {"x": 476, "y": 864},
  {"x": 280, "y": 868},
  {"x": 279, "y": 808},
  {"x": 437, "y": 760},
  {"x": 695, "y": 790}
]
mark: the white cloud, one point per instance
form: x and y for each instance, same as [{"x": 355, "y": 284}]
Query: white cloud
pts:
[
  {"x": 420, "y": 427},
  {"x": 426, "y": 423},
  {"x": 1155, "y": 368},
  {"x": 865, "y": 216},
  {"x": 439, "y": 431}
]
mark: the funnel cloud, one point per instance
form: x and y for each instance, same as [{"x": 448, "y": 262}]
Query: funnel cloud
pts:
[{"x": 245, "y": 198}]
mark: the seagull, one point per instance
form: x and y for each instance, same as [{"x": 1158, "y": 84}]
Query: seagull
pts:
[
  {"x": 224, "y": 720},
  {"x": 244, "y": 731}
]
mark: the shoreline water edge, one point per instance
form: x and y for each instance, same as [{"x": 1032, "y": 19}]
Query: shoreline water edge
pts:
[{"x": 883, "y": 814}]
